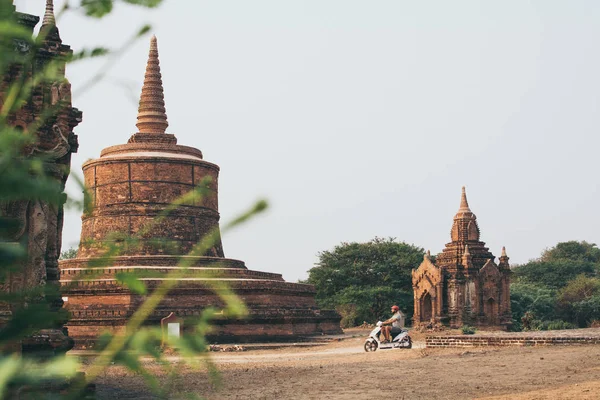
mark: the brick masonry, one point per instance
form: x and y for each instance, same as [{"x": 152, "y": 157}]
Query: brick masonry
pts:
[
  {"x": 460, "y": 341},
  {"x": 463, "y": 285},
  {"x": 132, "y": 188},
  {"x": 541, "y": 338}
]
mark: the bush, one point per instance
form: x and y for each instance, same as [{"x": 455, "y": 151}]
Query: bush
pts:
[
  {"x": 349, "y": 315},
  {"x": 556, "y": 325},
  {"x": 526, "y": 297},
  {"x": 468, "y": 330},
  {"x": 586, "y": 311},
  {"x": 579, "y": 300},
  {"x": 528, "y": 321}
]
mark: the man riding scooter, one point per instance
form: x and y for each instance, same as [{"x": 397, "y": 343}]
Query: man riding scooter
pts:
[{"x": 393, "y": 326}]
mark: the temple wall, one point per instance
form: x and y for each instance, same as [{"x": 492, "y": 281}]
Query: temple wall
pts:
[
  {"x": 485, "y": 341},
  {"x": 128, "y": 194}
]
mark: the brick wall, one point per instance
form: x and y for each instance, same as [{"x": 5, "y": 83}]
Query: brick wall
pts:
[{"x": 482, "y": 341}]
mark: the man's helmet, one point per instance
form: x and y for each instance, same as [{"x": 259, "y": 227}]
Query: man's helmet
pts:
[{"x": 395, "y": 308}]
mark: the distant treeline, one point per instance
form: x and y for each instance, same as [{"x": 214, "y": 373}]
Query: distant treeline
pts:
[{"x": 560, "y": 289}]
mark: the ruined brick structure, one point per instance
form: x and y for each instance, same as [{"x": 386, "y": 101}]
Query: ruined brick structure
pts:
[
  {"x": 130, "y": 186},
  {"x": 464, "y": 286},
  {"x": 48, "y": 114}
]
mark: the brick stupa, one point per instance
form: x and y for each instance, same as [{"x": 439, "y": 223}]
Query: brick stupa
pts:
[{"x": 129, "y": 186}]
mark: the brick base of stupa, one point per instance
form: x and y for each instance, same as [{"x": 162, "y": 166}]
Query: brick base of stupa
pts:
[{"x": 277, "y": 310}]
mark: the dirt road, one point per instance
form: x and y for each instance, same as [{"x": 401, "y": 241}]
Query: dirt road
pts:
[{"x": 342, "y": 370}]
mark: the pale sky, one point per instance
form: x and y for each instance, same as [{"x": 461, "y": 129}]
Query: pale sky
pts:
[{"x": 358, "y": 119}]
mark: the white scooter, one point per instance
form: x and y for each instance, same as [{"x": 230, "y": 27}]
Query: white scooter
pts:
[{"x": 401, "y": 341}]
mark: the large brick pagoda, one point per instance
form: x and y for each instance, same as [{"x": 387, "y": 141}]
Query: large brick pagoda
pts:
[
  {"x": 464, "y": 285},
  {"x": 130, "y": 185}
]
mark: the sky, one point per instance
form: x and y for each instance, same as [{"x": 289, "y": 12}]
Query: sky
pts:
[{"x": 357, "y": 119}]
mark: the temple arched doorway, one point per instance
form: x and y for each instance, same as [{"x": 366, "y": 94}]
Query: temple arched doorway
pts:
[
  {"x": 426, "y": 308},
  {"x": 491, "y": 311}
]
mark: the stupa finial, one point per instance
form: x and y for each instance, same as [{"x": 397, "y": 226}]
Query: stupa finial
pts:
[
  {"x": 49, "y": 19},
  {"x": 49, "y": 30},
  {"x": 466, "y": 258},
  {"x": 504, "y": 252},
  {"x": 464, "y": 204},
  {"x": 152, "y": 117}
]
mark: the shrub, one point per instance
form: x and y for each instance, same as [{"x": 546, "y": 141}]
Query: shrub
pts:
[
  {"x": 556, "y": 325},
  {"x": 349, "y": 315},
  {"x": 526, "y": 297},
  {"x": 468, "y": 330},
  {"x": 587, "y": 310},
  {"x": 528, "y": 321}
]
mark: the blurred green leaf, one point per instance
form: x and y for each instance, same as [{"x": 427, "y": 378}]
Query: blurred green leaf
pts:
[
  {"x": 145, "y": 3},
  {"x": 97, "y": 8},
  {"x": 144, "y": 29},
  {"x": 131, "y": 281}
]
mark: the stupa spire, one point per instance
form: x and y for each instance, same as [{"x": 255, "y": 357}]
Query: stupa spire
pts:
[
  {"x": 152, "y": 117},
  {"x": 467, "y": 260},
  {"x": 49, "y": 19},
  {"x": 464, "y": 204},
  {"x": 49, "y": 30}
]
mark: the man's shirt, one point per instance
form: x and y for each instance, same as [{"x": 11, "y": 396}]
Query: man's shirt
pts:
[{"x": 398, "y": 320}]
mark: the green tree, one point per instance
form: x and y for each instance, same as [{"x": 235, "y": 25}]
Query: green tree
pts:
[
  {"x": 554, "y": 274},
  {"x": 528, "y": 298},
  {"x": 577, "y": 301},
  {"x": 365, "y": 279},
  {"x": 572, "y": 251},
  {"x": 559, "y": 286},
  {"x": 68, "y": 254}
]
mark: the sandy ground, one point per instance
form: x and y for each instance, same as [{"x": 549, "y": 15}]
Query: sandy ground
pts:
[{"x": 342, "y": 370}]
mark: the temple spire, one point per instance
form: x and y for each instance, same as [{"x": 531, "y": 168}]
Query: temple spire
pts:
[
  {"x": 467, "y": 260},
  {"x": 49, "y": 19},
  {"x": 49, "y": 30},
  {"x": 464, "y": 204},
  {"x": 503, "y": 252},
  {"x": 152, "y": 117}
]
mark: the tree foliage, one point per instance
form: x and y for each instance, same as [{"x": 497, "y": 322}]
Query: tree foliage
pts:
[
  {"x": 369, "y": 276},
  {"x": 553, "y": 274},
  {"x": 538, "y": 300},
  {"x": 579, "y": 300},
  {"x": 562, "y": 285},
  {"x": 68, "y": 254},
  {"x": 572, "y": 251}
]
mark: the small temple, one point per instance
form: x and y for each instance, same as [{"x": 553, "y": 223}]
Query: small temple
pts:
[
  {"x": 133, "y": 185},
  {"x": 463, "y": 285}
]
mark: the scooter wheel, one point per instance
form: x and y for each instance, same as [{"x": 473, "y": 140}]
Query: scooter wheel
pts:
[
  {"x": 370, "y": 345},
  {"x": 409, "y": 342}
]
